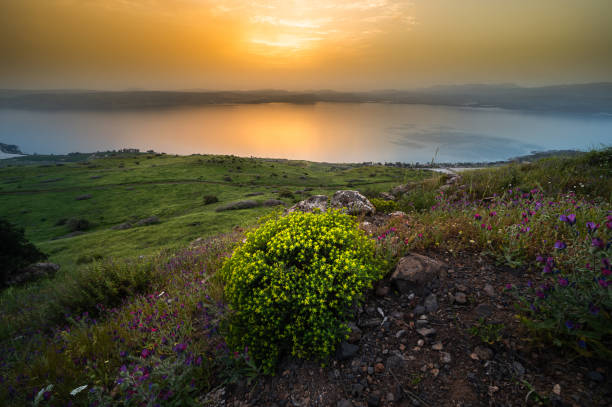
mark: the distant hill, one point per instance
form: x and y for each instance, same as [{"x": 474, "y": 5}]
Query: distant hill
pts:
[{"x": 593, "y": 98}]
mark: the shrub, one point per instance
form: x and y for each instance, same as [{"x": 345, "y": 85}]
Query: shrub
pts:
[
  {"x": 76, "y": 224},
  {"x": 210, "y": 199},
  {"x": 16, "y": 252},
  {"x": 383, "y": 205},
  {"x": 293, "y": 284}
]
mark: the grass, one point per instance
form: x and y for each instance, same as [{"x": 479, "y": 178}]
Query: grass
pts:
[{"x": 141, "y": 317}]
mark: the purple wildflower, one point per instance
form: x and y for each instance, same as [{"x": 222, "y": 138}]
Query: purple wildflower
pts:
[
  {"x": 477, "y": 217},
  {"x": 180, "y": 347},
  {"x": 593, "y": 309},
  {"x": 597, "y": 242},
  {"x": 569, "y": 325},
  {"x": 563, "y": 282},
  {"x": 559, "y": 245},
  {"x": 592, "y": 226}
]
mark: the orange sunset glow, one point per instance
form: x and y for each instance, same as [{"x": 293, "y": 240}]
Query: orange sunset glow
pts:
[{"x": 339, "y": 44}]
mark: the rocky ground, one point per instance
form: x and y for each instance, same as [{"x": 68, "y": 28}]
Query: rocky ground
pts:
[
  {"x": 442, "y": 330},
  {"x": 413, "y": 346}
]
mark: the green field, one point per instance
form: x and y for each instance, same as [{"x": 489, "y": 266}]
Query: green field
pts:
[{"x": 130, "y": 187}]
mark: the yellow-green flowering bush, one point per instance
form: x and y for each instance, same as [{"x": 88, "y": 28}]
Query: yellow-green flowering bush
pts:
[
  {"x": 293, "y": 283},
  {"x": 383, "y": 205}
]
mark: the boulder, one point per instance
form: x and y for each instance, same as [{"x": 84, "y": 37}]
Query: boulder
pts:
[
  {"x": 387, "y": 196},
  {"x": 354, "y": 202},
  {"x": 272, "y": 202},
  {"x": 34, "y": 272},
  {"x": 232, "y": 206},
  {"x": 310, "y": 204},
  {"x": 122, "y": 226},
  {"x": 151, "y": 220},
  {"x": 414, "y": 272}
]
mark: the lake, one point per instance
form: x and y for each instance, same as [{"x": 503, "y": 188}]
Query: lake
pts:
[{"x": 332, "y": 132}]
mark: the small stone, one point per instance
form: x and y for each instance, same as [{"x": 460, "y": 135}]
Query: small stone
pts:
[
  {"x": 518, "y": 369},
  {"x": 426, "y": 332},
  {"x": 483, "y": 352},
  {"x": 398, "y": 315},
  {"x": 370, "y": 370},
  {"x": 460, "y": 298},
  {"x": 390, "y": 397},
  {"x": 595, "y": 376},
  {"x": 489, "y": 290},
  {"x": 373, "y": 400},
  {"x": 437, "y": 346},
  {"x": 357, "y": 390},
  {"x": 382, "y": 291},
  {"x": 420, "y": 342},
  {"x": 419, "y": 310},
  {"x": 445, "y": 357},
  {"x": 346, "y": 351},
  {"x": 483, "y": 310},
  {"x": 461, "y": 287},
  {"x": 421, "y": 323},
  {"x": 557, "y": 389},
  {"x": 402, "y": 347},
  {"x": 344, "y": 403},
  {"x": 355, "y": 334},
  {"x": 379, "y": 368},
  {"x": 400, "y": 333},
  {"x": 435, "y": 372},
  {"x": 431, "y": 303}
]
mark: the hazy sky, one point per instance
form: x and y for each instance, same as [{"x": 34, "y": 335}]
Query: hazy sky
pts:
[{"x": 301, "y": 44}]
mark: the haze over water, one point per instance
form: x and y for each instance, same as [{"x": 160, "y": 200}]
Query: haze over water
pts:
[{"x": 332, "y": 132}]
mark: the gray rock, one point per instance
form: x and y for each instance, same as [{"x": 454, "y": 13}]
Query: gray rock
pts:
[
  {"x": 518, "y": 369},
  {"x": 272, "y": 202},
  {"x": 151, "y": 220},
  {"x": 445, "y": 357},
  {"x": 357, "y": 390},
  {"x": 431, "y": 303},
  {"x": 371, "y": 323},
  {"x": 419, "y": 310},
  {"x": 310, "y": 204},
  {"x": 484, "y": 310},
  {"x": 483, "y": 353},
  {"x": 373, "y": 400},
  {"x": 355, "y": 334},
  {"x": 122, "y": 226},
  {"x": 397, "y": 214},
  {"x": 34, "y": 272},
  {"x": 414, "y": 271},
  {"x": 353, "y": 201},
  {"x": 344, "y": 403},
  {"x": 387, "y": 196},
  {"x": 460, "y": 298},
  {"x": 426, "y": 332},
  {"x": 346, "y": 351},
  {"x": 237, "y": 205},
  {"x": 595, "y": 376},
  {"x": 489, "y": 290},
  {"x": 395, "y": 363},
  {"x": 83, "y": 197}
]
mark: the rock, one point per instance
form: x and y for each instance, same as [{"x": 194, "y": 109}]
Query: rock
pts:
[
  {"x": 557, "y": 389},
  {"x": 346, "y": 351},
  {"x": 483, "y": 310},
  {"x": 83, "y": 197},
  {"x": 371, "y": 323},
  {"x": 595, "y": 376},
  {"x": 400, "y": 333},
  {"x": 272, "y": 202},
  {"x": 357, "y": 390},
  {"x": 437, "y": 346},
  {"x": 483, "y": 353},
  {"x": 460, "y": 298},
  {"x": 397, "y": 214},
  {"x": 426, "y": 332},
  {"x": 445, "y": 357},
  {"x": 414, "y": 271},
  {"x": 122, "y": 226},
  {"x": 379, "y": 368},
  {"x": 355, "y": 334},
  {"x": 232, "y": 206},
  {"x": 344, "y": 403},
  {"x": 151, "y": 220},
  {"x": 373, "y": 400},
  {"x": 310, "y": 204},
  {"x": 34, "y": 272},
  {"x": 367, "y": 227},
  {"x": 431, "y": 303},
  {"x": 518, "y": 369},
  {"x": 489, "y": 290},
  {"x": 354, "y": 202},
  {"x": 382, "y": 291},
  {"x": 387, "y": 196},
  {"x": 395, "y": 363},
  {"x": 419, "y": 310}
]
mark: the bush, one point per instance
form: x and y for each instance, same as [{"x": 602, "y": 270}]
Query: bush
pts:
[
  {"x": 76, "y": 224},
  {"x": 16, "y": 252},
  {"x": 383, "y": 205},
  {"x": 210, "y": 199},
  {"x": 293, "y": 284}
]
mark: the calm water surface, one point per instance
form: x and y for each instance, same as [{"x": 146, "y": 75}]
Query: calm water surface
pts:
[{"x": 330, "y": 132}]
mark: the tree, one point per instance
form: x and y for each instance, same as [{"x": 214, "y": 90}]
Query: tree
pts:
[{"x": 16, "y": 252}]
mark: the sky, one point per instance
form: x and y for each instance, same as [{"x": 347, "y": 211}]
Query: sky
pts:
[{"x": 301, "y": 44}]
